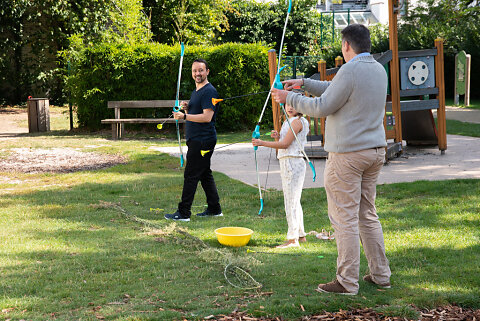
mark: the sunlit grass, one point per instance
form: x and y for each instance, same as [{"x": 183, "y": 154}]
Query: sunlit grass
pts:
[
  {"x": 474, "y": 103},
  {"x": 63, "y": 255}
]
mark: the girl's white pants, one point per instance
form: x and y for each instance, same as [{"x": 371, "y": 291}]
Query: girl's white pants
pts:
[{"x": 292, "y": 171}]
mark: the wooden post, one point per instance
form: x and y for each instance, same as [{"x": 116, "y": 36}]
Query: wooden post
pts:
[
  {"x": 339, "y": 60},
  {"x": 38, "y": 115},
  {"x": 322, "y": 69},
  {"x": 440, "y": 84},
  {"x": 117, "y": 129},
  {"x": 32, "y": 116},
  {"x": 277, "y": 112},
  {"x": 394, "y": 69}
]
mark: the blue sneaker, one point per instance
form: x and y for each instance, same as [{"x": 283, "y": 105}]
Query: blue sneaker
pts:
[
  {"x": 177, "y": 217},
  {"x": 207, "y": 213}
]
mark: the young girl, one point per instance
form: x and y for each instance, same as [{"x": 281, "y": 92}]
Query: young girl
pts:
[{"x": 292, "y": 171}]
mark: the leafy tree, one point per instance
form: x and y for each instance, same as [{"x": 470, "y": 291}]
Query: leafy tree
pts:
[
  {"x": 190, "y": 21},
  {"x": 31, "y": 32},
  {"x": 457, "y": 22},
  {"x": 128, "y": 22},
  {"x": 251, "y": 21}
]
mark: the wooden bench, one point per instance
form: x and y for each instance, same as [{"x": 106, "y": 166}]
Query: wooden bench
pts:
[{"x": 118, "y": 123}]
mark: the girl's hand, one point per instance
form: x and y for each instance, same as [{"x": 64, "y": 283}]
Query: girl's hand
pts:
[
  {"x": 274, "y": 134},
  {"x": 257, "y": 142}
]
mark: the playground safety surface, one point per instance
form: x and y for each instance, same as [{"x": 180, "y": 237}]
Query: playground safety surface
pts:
[{"x": 461, "y": 160}]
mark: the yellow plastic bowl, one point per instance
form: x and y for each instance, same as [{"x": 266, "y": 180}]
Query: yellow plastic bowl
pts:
[{"x": 233, "y": 236}]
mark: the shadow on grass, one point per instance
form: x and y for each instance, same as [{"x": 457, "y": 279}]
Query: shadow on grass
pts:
[{"x": 82, "y": 256}]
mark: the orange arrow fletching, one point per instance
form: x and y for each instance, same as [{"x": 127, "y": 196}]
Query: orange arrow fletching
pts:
[{"x": 216, "y": 100}]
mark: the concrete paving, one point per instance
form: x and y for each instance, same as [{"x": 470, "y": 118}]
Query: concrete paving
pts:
[
  {"x": 461, "y": 160},
  {"x": 461, "y": 114}
]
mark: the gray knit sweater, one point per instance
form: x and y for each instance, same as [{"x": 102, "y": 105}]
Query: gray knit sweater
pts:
[{"x": 353, "y": 102}]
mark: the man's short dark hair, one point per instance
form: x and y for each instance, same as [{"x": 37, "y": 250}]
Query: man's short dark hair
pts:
[
  {"x": 203, "y": 61},
  {"x": 358, "y": 37}
]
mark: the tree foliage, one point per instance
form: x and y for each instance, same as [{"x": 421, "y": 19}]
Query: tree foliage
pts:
[
  {"x": 126, "y": 71},
  {"x": 128, "y": 22},
  {"x": 189, "y": 21},
  {"x": 33, "y": 31},
  {"x": 251, "y": 21},
  {"x": 457, "y": 22}
]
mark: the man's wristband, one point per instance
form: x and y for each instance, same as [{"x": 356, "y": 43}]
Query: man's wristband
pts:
[{"x": 185, "y": 116}]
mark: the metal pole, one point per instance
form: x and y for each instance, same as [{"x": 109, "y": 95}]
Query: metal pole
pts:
[
  {"x": 321, "y": 29},
  {"x": 333, "y": 26},
  {"x": 348, "y": 17},
  {"x": 294, "y": 67}
]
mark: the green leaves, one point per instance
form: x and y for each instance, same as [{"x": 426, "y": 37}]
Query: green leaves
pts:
[
  {"x": 456, "y": 21},
  {"x": 252, "y": 21},
  {"x": 107, "y": 71},
  {"x": 189, "y": 21}
]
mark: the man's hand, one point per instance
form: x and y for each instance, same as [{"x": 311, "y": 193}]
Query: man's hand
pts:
[
  {"x": 291, "y": 83},
  {"x": 184, "y": 106},
  {"x": 280, "y": 96},
  {"x": 178, "y": 115}
]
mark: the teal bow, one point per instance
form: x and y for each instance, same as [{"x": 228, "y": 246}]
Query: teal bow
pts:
[
  {"x": 176, "y": 108},
  {"x": 278, "y": 85},
  {"x": 256, "y": 132}
]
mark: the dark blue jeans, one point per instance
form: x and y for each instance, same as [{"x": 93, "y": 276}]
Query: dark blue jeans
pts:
[{"x": 198, "y": 169}]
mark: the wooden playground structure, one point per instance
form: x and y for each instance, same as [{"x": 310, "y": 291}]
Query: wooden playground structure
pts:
[{"x": 416, "y": 87}]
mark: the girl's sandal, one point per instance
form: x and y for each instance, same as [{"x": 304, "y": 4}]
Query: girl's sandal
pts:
[{"x": 324, "y": 235}]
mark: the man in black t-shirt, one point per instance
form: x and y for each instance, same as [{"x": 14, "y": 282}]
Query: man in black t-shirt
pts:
[{"x": 200, "y": 115}]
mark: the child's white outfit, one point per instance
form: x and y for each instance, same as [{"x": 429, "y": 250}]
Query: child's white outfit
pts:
[{"x": 292, "y": 171}]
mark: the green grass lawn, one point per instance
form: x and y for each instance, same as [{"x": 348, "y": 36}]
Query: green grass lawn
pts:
[
  {"x": 474, "y": 103},
  {"x": 455, "y": 127},
  {"x": 68, "y": 252}
]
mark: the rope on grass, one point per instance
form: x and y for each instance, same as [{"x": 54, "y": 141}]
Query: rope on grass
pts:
[
  {"x": 234, "y": 275},
  {"x": 239, "y": 278}
]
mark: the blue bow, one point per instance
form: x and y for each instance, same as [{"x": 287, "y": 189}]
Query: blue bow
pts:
[
  {"x": 278, "y": 85},
  {"x": 256, "y": 132},
  {"x": 177, "y": 103}
]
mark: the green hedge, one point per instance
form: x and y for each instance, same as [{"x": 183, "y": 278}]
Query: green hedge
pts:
[{"x": 105, "y": 72}]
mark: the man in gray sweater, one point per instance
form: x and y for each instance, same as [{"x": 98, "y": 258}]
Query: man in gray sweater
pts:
[{"x": 354, "y": 104}]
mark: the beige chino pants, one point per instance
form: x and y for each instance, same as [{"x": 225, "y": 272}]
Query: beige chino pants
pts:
[{"x": 350, "y": 182}]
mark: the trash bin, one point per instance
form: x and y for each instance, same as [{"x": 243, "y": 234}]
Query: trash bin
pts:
[{"x": 38, "y": 115}]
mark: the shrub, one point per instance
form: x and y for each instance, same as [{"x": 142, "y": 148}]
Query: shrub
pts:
[{"x": 105, "y": 72}]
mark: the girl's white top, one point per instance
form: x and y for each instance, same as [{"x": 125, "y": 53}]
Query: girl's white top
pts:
[{"x": 294, "y": 150}]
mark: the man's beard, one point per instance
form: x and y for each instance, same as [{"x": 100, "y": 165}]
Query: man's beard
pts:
[{"x": 200, "y": 79}]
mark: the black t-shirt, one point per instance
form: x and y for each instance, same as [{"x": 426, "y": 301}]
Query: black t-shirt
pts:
[{"x": 202, "y": 99}]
